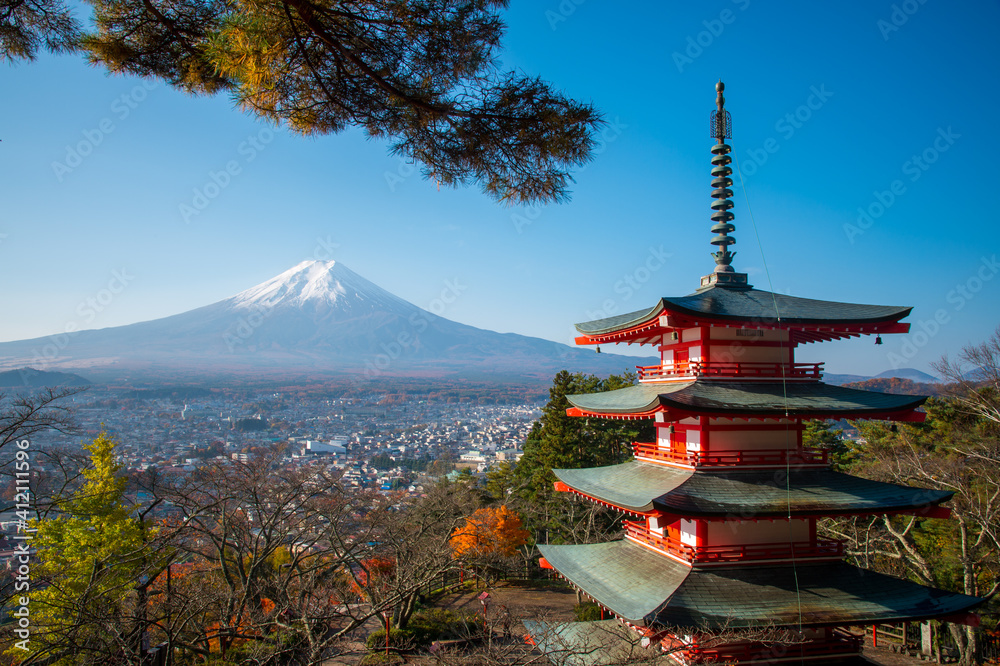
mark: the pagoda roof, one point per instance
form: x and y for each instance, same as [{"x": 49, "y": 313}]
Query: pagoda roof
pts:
[
  {"x": 750, "y": 306},
  {"x": 644, "y": 488},
  {"x": 644, "y": 587},
  {"x": 760, "y": 399}
]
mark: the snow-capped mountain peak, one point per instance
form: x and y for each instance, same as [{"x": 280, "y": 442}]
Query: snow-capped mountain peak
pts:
[{"x": 313, "y": 283}]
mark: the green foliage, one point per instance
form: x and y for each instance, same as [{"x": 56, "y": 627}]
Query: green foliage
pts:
[
  {"x": 27, "y": 26},
  {"x": 434, "y": 624},
  {"x": 92, "y": 556},
  {"x": 250, "y": 425},
  {"x": 951, "y": 450},
  {"x": 587, "y": 612},
  {"x": 381, "y": 659},
  {"x": 558, "y": 441},
  {"x": 821, "y": 434}
]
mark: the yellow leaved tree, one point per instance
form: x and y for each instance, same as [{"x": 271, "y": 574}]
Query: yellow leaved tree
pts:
[{"x": 87, "y": 596}]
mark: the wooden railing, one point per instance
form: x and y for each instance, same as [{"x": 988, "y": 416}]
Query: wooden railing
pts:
[
  {"x": 734, "y": 552},
  {"x": 738, "y": 369},
  {"x": 839, "y": 643},
  {"x": 758, "y": 457}
]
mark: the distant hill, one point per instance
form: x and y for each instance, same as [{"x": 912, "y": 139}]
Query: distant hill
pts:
[
  {"x": 31, "y": 378},
  {"x": 912, "y": 374},
  {"x": 842, "y": 380},
  {"x": 896, "y": 385}
]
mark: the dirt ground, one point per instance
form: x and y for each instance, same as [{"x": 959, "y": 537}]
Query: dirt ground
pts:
[{"x": 549, "y": 603}]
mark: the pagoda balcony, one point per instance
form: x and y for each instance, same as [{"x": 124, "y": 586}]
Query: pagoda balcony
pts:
[
  {"x": 732, "y": 458},
  {"x": 735, "y": 552},
  {"x": 839, "y": 643},
  {"x": 737, "y": 370}
]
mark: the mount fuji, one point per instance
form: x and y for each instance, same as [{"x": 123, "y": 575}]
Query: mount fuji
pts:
[{"x": 317, "y": 317}]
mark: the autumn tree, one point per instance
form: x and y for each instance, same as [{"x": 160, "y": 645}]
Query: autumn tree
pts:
[
  {"x": 488, "y": 538},
  {"x": 94, "y": 555},
  {"x": 274, "y": 547},
  {"x": 420, "y": 73},
  {"x": 489, "y": 531},
  {"x": 416, "y": 536}
]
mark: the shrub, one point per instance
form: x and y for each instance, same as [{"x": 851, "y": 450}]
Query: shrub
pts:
[
  {"x": 436, "y": 624},
  {"x": 399, "y": 639},
  {"x": 587, "y": 612}
]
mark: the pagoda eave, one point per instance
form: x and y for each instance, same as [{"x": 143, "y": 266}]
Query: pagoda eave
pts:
[
  {"x": 904, "y": 415},
  {"x": 649, "y": 489},
  {"x": 720, "y": 307},
  {"x": 801, "y": 333},
  {"x": 739, "y": 399},
  {"x": 644, "y": 588}
]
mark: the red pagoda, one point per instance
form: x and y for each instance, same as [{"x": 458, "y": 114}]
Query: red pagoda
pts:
[{"x": 725, "y": 501}]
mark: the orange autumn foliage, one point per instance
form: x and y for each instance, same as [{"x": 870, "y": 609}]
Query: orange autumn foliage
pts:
[
  {"x": 375, "y": 573},
  {"x": 489, "y": 531}
]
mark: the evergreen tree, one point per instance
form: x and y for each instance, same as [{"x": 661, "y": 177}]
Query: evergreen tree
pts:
[
  {"x": 88, "y": 601},
  {"x": 558, "y": 441},
  {"x": 420, "y": 73}
]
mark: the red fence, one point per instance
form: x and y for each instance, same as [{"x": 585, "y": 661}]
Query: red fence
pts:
[
  {"x": 734, "y": 552},
  {"x": 737, "y": 369},
  {"x": 777, "y": 457}
]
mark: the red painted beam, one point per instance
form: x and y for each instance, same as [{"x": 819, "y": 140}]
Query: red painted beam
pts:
[{"x": 968, "y": 619}]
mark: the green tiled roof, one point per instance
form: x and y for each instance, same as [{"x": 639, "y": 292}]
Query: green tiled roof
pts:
[
  {"x": 753, "y": 306},
  {"x": 643, "y": 487},
  {"x": 646, "y": 588},
  {"x": 631, "y": 485},
  {"x": 638, "y": 398},
  {"x": 630, "y": 580},
  {"x": 760, "y": 398}
]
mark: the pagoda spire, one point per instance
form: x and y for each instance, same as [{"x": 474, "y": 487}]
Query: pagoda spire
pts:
[{"x": 722, "y": 215}]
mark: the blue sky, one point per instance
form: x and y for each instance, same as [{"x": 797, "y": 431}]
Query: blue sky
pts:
[{"x": 837, "y": 106}]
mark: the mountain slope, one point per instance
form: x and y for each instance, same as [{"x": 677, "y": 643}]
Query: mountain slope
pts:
[{"x": 317, "y": 316}]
